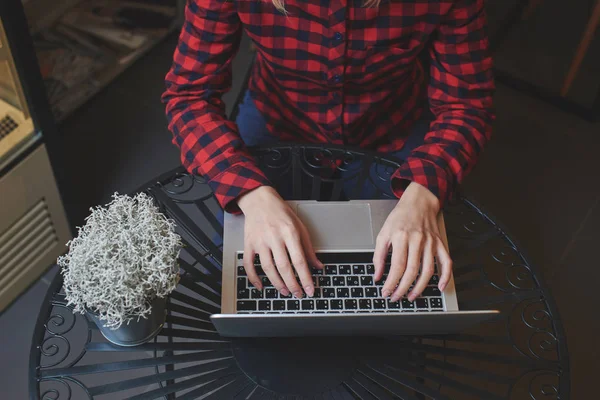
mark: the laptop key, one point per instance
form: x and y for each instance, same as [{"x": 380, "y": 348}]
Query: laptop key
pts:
[
  {"x": 257, "y": 294},
  {"x": 331, "y": 269},
  {"x": 324, "y": 281},
  {"x": 328, "y": 292},
  {"x": 370, "y": 269},
  {"x": 339, "y": 281},
  {"x": 322, "y": 305},
  {"x": 246, "y": 305},
  {"x": 264, "y": 305},
  {"x": 435, "y": 279},
  {"x": 345, "y": 270},
  {"x": 279, "y": 305},
  {"x": 317, "y": 271},
  {"x": 407, "y": 305},
  {"x": 336, "y": 304},
  {"x": 241, "y": 283},
  {"x": 308, "y": 305},
  {"x": 422, "y": 303},
  {"x": 293, "y": 305},
  {"x": 357, "y": 292},
  {"x": 271, "y": 293},
  {"x": 379, "y": 304},
  {"x": 352, "y": 280},
  {"x": 317, "y": 294},
  {"x": 366, "y": 281},
  {"x": 364, "y": 304},
  {"x": 343, "y": 292},
  {"x": 371, "y": 292},
  {"x": 350, "y": 304},
  {"x": 436, "y": 302},
  {"x": 431, "y": 291},
  {"x": 266, "y": 282},
  {"x": 243, "y": 294},
  {"x": 358, "y": 269},
  {"x": 393, "y": 304},
  {"x": 241, "y": 271}
]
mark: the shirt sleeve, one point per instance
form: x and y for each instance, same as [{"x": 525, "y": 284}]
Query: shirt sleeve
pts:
[
  {"x": 201, "y": 73},
  {"x": 460, "y": 96}
]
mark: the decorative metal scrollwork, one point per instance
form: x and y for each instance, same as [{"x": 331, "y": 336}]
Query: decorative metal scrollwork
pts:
[
  {"x": 537, "y": 385},
  {"x": 55, "y": 348},
  {"x": 63, "y": 391}
]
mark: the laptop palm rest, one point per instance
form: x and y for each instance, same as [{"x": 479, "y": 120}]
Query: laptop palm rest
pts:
[{"x": 338, "y": 225}]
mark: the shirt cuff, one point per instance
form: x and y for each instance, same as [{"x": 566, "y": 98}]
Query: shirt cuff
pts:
[
  {"x": 425, "y": 173},
  {"x": 235, "y": 181}
]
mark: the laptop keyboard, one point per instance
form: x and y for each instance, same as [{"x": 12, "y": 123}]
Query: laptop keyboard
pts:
[{"x": 345, "y": 286}]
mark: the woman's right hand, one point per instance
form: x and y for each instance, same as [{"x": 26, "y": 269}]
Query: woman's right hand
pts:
[{"x": 273, "y": 230}]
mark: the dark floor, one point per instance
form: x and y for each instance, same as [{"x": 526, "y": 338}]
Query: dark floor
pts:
[{"x": 539, "y": 177}]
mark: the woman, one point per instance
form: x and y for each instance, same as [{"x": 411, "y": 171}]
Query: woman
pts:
[{"x": 342, "y": 72}]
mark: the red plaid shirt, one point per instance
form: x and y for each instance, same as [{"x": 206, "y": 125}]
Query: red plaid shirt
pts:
[{"x": 333, "y": 71}]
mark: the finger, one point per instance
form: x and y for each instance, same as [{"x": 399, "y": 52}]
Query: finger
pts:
[
  {"x": 249, "y": 267},
  {"x": 426, "y": 270},
  {"x": 382, "y": 246},
  {"x": 413, "y": 264},
  {"x": 282, "y": 262},
  {"x": 309, "y": 250},
  {"x": 444, "y": 265},
  {"x": 294, "y": 247},
  {"x": 266, "y": 259},
  {"x": 399, "y": 254}
]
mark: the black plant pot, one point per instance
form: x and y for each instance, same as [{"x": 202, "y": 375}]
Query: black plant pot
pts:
[{"x": 137, "y": 331}]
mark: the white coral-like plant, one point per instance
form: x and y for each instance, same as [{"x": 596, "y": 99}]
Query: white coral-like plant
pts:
[{"x": 122, "y": 258}]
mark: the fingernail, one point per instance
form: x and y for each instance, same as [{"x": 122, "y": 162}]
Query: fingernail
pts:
[
  {"x": 310, "y": 291},
  {"x": 285, "y": 292},
  {"x": 257, "y": 285},
  {"x": 411, "y": 297},
  {"x": 442, "y": 287},
  {"x": 298, "y": 294},
  {"x": 386, "y": 293}
]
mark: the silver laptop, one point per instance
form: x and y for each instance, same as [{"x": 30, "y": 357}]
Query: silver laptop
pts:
[{"x": 347, "y": 301}]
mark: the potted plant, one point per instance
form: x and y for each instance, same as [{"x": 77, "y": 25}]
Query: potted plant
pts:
[{"x": 120, "y": 268}]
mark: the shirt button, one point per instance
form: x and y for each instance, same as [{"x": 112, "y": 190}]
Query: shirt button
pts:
[
  {"x": 337, "y": 78},
  {"x": 338, "y": 36}
]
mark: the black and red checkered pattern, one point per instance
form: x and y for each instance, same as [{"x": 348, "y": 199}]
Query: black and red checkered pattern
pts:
[{"x": 334, "y": 71}]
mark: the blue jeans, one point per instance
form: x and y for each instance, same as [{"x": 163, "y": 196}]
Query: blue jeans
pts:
[{"x": 253, "y": 130}]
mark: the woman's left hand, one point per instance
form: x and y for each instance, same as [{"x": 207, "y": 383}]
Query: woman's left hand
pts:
[{"x": 412, "y": 231}]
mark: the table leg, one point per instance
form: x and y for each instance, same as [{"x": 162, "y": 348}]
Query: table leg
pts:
[{"x": 584, "y": 44}]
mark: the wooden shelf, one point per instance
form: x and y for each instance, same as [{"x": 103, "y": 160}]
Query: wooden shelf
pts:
[
  {"x": 44, "y": 14},
  {"x": 104, "y": 77}
]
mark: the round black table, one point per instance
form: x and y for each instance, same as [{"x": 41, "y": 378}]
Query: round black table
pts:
[{"x": 520, "y": 355}]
